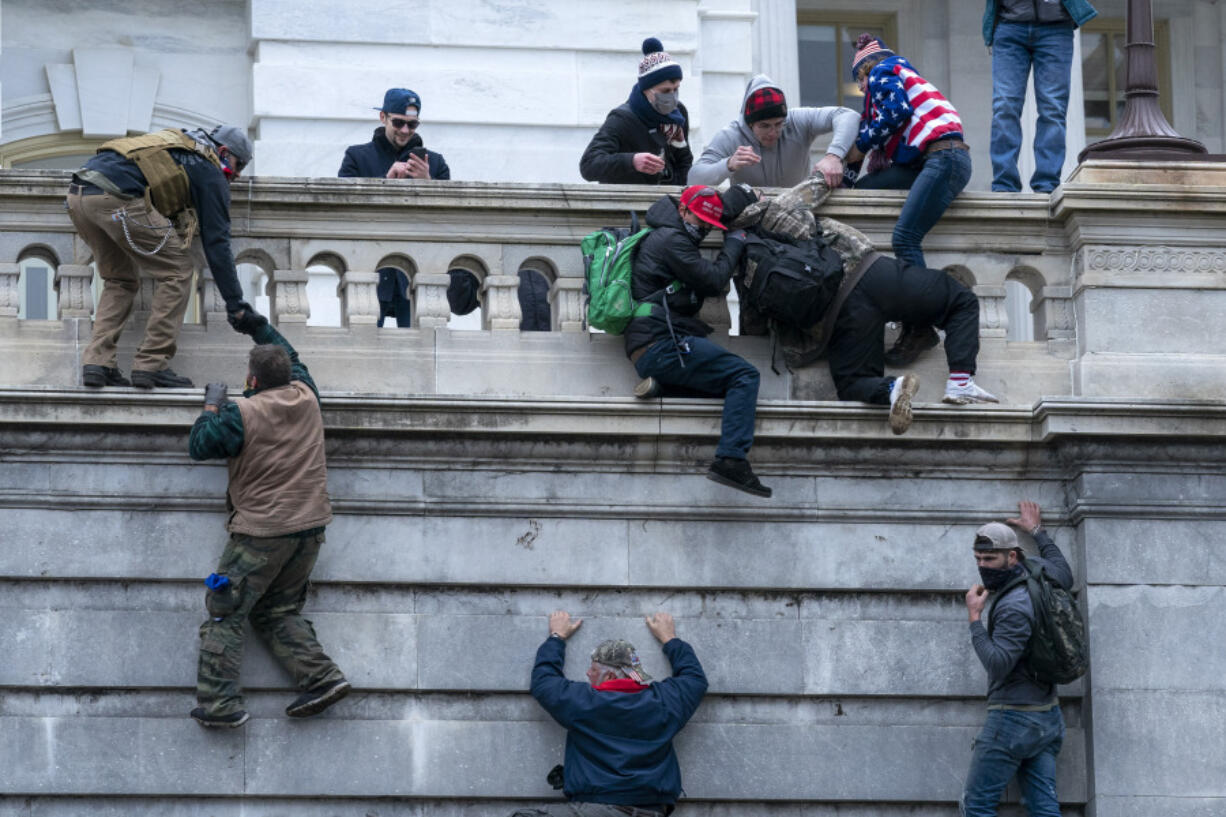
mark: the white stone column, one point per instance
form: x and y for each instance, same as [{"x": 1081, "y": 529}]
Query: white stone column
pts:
[
  {"x": 10, "y": 294},
  {"x": 502, "y": 302},
  {"x": 430, "y": 298},
  {"x": 288, "y": 296},
  {"x": 72, "y": 291},
  {"x": 776, "y": 46},
  {"x": 359, "y": 298},
  {"x": 724, "y": 58},
  {"x": 566, "y": 300}
]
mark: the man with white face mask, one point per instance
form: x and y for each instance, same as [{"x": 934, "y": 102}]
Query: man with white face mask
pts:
[{"x": 645, "y": 140}]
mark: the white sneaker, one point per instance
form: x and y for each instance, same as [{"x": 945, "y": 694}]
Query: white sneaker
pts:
[
  {"x": 901, "y": 391},
  {"x": 969, "y": 393}
]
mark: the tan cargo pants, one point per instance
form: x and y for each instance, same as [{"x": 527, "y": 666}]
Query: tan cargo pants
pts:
[{"x": 120, "y": 262}]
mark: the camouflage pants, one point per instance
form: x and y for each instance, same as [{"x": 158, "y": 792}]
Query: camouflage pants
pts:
[{"x": 268, "y": 585}]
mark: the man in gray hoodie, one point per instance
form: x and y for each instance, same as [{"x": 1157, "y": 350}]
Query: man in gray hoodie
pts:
[
  {"x": 768, "y": 146},
  {"x": 1024, "y": 728}
]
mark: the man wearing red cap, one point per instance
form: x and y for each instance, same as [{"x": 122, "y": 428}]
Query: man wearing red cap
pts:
[{"x": 669, "y": 347}]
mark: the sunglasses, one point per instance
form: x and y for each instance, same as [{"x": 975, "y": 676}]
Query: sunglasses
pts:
[{"x": 401, "y": 124}]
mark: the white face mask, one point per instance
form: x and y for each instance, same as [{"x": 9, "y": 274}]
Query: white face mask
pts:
[{"x": 665, "y": 102}]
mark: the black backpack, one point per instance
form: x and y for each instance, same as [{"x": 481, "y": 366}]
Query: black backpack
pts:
[
  {"x": 795, "y": 281},
  {"x": 1057, "y": 652}
]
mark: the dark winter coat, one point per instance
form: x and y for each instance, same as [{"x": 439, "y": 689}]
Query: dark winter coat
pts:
[
  {"x": 609, "y": 157},
  {"x": 373, "y": 159},
  {"x": 619, "y": 744},
  {"x": 670, "y": 254}
]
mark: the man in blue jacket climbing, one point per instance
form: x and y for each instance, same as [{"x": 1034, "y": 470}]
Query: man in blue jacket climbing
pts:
[{"x": 620, "y": 725}]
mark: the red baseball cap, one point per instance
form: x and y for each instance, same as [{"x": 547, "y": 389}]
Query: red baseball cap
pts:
[{"x": 705, "y": 203}]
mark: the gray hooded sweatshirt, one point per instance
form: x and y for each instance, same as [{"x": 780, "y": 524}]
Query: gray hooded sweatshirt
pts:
[{"x": 787, "y": 163}]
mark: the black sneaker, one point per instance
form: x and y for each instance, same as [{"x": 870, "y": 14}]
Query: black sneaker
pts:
[
  {"x": 96, "y": 376},
  {"x": 647, "y": 389},
  {"x": 234, "y": 719},
  {"x": 736, "y": 474},
  {"x": 912, "y": 342},
  {"x": 316, "y": 700},
  {"x": 166, "y": 378}
]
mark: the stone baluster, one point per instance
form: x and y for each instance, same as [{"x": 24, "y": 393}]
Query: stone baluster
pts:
[
  {"x": 359, "y": 298},
  {"x": 1053, "y": 308},
  {"x": 430, "y": 299},
  {"x": 566, "y": 301},
  {"x": 993, "y": 317},
  {"x": 142, "y": 304},
  {"x": 502, "y": 302},
  {"x": 715, "y": 313},
  {"x": 10, "y": 293},
  {"x": 288, "y": 296},
  {"x": 72, "y": 291},
  {"x": 212, "y": 306}
]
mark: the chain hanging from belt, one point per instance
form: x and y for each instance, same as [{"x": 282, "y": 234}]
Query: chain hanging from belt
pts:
[{"x": 121, "y": 215}]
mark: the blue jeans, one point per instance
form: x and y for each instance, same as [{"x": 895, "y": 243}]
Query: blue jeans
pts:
[
  {"x": 1015, "y": 48},
  {"x": 933, "y": 187},
  {"x": 1015, "y": 742},
  {"x": 712, "y": 371}
]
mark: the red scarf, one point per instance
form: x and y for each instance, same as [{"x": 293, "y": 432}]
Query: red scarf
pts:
[{"x": 620, "y": 685}]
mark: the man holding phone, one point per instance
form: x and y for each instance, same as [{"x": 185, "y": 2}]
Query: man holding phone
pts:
[{"x": 396, "y": 151}]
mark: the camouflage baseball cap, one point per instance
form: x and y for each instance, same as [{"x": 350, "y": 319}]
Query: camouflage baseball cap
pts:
[{"x": 620, "y": 653}]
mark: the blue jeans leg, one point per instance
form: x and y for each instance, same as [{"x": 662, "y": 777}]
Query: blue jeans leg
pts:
[
  {"x": 1015, "y": 742},
  {"x": 712, "y": 369},
  {"x": 1053, "y": 60},
  {"x": 1011, "y": 58},
  {"x": 944, "y": 175}
]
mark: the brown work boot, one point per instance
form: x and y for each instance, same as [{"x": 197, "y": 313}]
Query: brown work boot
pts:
[{"x": 912, "y": 342}]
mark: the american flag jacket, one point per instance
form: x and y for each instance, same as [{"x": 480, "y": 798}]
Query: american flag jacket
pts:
[{"x": 904, "y": 113}]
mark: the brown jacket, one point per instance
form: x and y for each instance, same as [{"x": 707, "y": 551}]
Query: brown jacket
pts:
[{"x": 279, "y": 481}]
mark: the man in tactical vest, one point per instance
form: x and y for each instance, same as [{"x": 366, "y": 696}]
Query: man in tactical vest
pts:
[
  {"x": 137, "y": 204},
  {"x": 273, "y": 439},
  {"x": 1024, "y": 728}
]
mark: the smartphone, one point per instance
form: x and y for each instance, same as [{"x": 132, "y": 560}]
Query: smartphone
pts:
[{"x": 419, "y": 152}]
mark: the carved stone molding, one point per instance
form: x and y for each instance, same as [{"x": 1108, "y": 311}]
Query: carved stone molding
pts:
[
  {"x": 73, "y": 294},
  {"x": 10, "y": 294},
  {"x": 993, "y": 316},
  {"x": 288, "y": 296},
  {"x": 1139, "y": 259},
  {"x": 359, "y": 298},
  {"x": 566, "y": 298},
  {"x": 502, "y": 299},
  {"x": 212, "y": 305},
  {"x": 430, "y": 297}
]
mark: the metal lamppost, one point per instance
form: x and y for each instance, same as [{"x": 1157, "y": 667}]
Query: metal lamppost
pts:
[{"x": 1142, "y": 132}]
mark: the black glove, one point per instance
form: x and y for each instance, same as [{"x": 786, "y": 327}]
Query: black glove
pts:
[
  {"x": 215, "y": 395},
  {"x": 734, "y": 241},
  {"x": 243, "y": 317},
  {"x": 556, "y": 777}
]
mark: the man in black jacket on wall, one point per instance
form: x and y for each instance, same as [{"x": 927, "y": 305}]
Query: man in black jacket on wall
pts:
[
  {"x": 390, "y": 153},
  {"x": 669, "y": 347}
]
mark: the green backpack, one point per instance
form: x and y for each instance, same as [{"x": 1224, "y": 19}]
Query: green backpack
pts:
[
  {"x": 1057, "y": 652},
  {"x": 608, "y": 261}
]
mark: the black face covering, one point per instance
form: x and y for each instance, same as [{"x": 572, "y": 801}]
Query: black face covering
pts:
[
  {"x": 995, "y": 578},
  {"x": 698, "y": 233}
]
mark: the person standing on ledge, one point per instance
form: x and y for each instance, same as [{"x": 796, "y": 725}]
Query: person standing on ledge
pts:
[
  {"x": 137, "y": 204},
  {"x": 619, "y": 725},
  {"x": 395, "y": 151},
  {"x": 645, "y": 140},
  {"x": 273, "y": 440}
]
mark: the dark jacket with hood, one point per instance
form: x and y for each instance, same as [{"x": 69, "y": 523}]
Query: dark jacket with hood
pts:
[
  {"x": 373, "y": 159},
  {"x": 619, "y": 740},
  {"x": 609, "y": 157},
  {"x": 670, "y": 254}
]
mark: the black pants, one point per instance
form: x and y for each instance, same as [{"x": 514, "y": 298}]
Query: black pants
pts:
[{"x": 892, "y": 291}]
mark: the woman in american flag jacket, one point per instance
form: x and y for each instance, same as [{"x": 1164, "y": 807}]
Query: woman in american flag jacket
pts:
[{"x": 914, "y": 140}]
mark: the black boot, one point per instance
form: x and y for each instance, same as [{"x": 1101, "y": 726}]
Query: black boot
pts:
[
  {"x": 166, "y": 378},
  {"x": 736, "y": 474},
  {"x": 316, "y": 700},
  {"x": 912, "y": 342},
  {"x": 234, "y": 719},
  {"x": 96, "y": 376}
]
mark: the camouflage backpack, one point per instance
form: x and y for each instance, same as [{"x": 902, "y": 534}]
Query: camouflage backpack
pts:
[{"x": 1057, "y": 652}]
